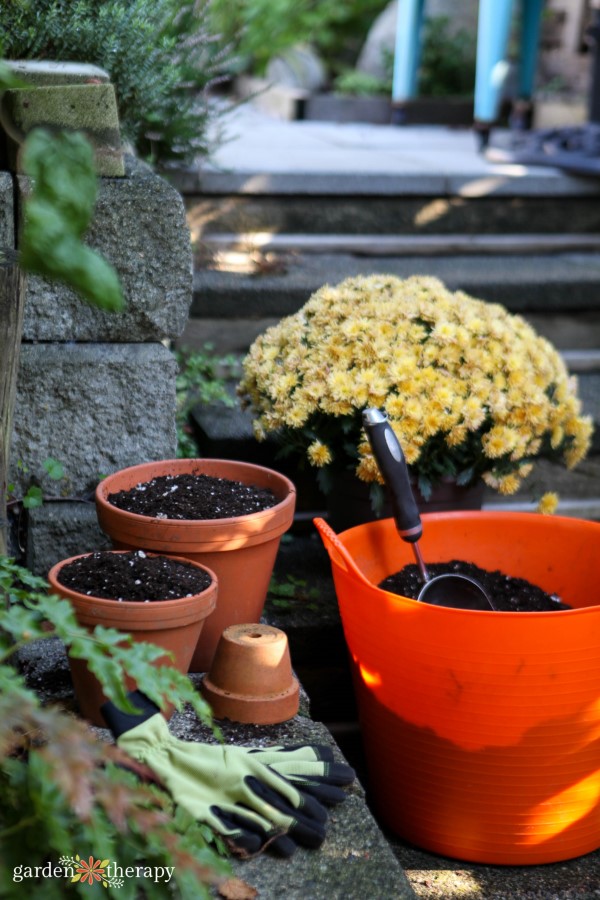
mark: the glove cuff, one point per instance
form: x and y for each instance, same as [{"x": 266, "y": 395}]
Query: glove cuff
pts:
[{"x": 120, "y": 722}]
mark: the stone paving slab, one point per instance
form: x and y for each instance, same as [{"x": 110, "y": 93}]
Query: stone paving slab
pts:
[
  {"x": 355, "y": 862},
  {"x": 266, "y": 155}
]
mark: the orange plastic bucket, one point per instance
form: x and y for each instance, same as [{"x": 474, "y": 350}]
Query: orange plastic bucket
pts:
[{"x": 481, "y": 729}]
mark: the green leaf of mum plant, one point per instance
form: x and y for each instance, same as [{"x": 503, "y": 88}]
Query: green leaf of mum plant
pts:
[{"x": 57, "y": 214}]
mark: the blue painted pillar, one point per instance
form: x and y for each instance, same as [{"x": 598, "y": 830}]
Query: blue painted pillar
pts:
[
  {"x": 407, "y": 50},
  {"x": 493, "y": 30},
  {"x": 530, "y": 41}
]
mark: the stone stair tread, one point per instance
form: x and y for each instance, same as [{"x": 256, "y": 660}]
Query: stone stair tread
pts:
[
  {"x": 402, "y": 245},
  {"x": 512, "y": 279}
]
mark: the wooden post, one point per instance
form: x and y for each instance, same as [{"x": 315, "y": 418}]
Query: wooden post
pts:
[{"x": 12, "y": 304}]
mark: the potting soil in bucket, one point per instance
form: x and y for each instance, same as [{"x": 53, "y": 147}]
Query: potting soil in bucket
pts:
[{"x": 481, "y": 729}]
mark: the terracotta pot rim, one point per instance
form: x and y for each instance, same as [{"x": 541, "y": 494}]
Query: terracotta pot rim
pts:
[
  {"x": 266, "y": 514},
  {"x": 176, "y": 605}
]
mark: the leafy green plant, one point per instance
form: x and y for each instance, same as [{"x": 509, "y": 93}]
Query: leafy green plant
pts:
[
  {"x": 65, "y": 792},
  {"x": 284, "y": 595},
  {"x": 447, "y": 60},
  {"x": 202, "y": 378},
  {"x": 361, "y": 84},
  {"x": 34, "y": 495},
  {"x": 160, "y": 55},
  {"x": 261, "y": 29}
]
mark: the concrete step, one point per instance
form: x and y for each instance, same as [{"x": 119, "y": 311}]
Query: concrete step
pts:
[
  {"x": 406, "y": 213},
  {"x": 558, "y": 282},
  {"x": 225, "y": 246}
]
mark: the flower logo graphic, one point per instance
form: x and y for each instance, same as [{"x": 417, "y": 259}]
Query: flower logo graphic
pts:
[{"x": 90, "y": 871}]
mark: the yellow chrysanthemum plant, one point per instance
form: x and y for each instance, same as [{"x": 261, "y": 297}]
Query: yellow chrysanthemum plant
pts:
[{"x": 471, "y": 391}]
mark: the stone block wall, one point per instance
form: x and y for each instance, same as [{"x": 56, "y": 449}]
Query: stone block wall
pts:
[{"x": 97, "y": 390}]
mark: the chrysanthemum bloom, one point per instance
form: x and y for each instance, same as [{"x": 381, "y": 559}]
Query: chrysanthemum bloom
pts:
[{"x": 471, "y": 391}]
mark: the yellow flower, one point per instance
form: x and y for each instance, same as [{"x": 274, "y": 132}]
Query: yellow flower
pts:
[
  {"x": 548, "y": 503},
  {"x": 368, "y": 470},
  {"x": 319, "y": 454},
  {"x": 509, "y": 484},
  {"x": 443, "y": 365},
  {"x": 340, "y": 385},
  {"x": 473, "y": 413},
  {"x": 499, "y": 441}
]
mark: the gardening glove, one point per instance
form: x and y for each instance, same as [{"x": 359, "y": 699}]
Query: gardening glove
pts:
[
  {"x": 311, "y": 768},
  {"x": 237, "y": 795}
]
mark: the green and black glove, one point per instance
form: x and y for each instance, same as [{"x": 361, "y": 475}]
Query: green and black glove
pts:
[
  {"x": 252, "y": 797},
  {"x": 311, "y": 768}
]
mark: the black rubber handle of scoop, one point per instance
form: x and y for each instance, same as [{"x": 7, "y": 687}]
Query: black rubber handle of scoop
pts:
[{"x": 392, "y": 465}]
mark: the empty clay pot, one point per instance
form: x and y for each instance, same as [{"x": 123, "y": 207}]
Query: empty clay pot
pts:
[{"x": 251, "y": 678}]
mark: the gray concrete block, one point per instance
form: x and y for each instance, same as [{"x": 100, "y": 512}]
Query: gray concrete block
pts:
[
  {"x": 94, "y": 407},
  {"x": 44, "y": 71},
  {"x": 60, "y": 530},
  {"x": 140, "y": 227},
  {"x": 7, "y": 219},
  {"x": 87, "y": 107}
]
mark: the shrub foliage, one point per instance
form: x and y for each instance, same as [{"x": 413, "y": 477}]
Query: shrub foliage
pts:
[{"x": 160, "y": 55}]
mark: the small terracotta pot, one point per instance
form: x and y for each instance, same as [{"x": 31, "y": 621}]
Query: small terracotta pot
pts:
[
  {"x": 240, "y": 550},
  {"x": 173, "y": 624},
  {"x": 251, "y": 678}
]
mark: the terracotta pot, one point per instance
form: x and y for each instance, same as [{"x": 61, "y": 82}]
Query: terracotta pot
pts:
[
  {"x": 480, "y": 728},
  {"x": 240, "y": 550},
  {"x": 175, "y": 625},
  {"x": 251, "y": 678}
]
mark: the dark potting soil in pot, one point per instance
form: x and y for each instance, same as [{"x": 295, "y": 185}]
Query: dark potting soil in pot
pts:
[
  {"x": 193, "y": 497},
  {"x": 133, "y": 576},
  {"x": 507, "y": 593}
]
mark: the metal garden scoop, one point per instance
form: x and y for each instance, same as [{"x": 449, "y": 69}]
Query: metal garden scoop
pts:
[{"x": 458, "y": 591}]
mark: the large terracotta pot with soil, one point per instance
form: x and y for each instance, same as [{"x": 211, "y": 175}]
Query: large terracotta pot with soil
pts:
[
  {"x": 161, "y": 600},
  {"x": 239, "y": 547},
  {"x": 481, "y": 728}
]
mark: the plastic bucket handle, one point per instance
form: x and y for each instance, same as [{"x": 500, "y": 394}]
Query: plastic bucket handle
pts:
[{"x": 336, "y": 549}]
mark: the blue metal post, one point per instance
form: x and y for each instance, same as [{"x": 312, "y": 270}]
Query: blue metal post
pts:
[
  {"x": 407, "y": 51},
  {"x": 492, "y": 41},
  {"x": 530, "y": 40}
]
